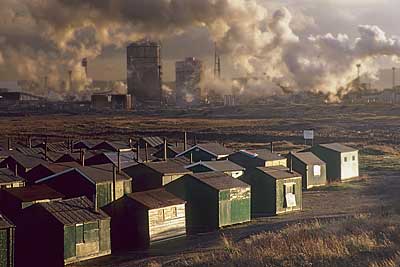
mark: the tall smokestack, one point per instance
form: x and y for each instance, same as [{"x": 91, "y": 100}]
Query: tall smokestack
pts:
[
  {"x": 358, "y": 74},
  {"x": 85, "y": 66},
  {"x": 272, "y": 147}
]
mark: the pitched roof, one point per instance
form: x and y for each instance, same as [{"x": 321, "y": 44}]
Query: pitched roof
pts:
[
  {"x": 4, "y": 222},
  {"x": 153, "y": 141},
  {"x": 338, "y": 147},
  {"x": 30, "y": 151},
  {"x": 218, "y": 180},
  {"x": 308, "y": 158},
  {"x": 167, "y": 167},
  {"x": 220, "y": 165},
  {"x": 33, "y": 193},
  {"x": 263, "y": 154},
  {"x": 111, "y": 145},
  {"x": 279, "y": 172},
  {"x": 27, "y": 161},
  {"x": 7, "y": 176},
  {"x": 87, "y": 144},
  {"x": 126, "y": 158},
  {"x": 154, "y": 199},
  {"x": 215, "y": 149},
  {"x": 73, "y": 211}
]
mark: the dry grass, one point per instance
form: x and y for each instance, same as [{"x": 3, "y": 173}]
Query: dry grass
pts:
[{"x": 363, "y": 240}]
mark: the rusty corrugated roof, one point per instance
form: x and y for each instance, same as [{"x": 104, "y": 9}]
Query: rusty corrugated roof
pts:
[
  {"x": 154, "y": 199},
  {"x": 33, "y": 193},
  {"x": 74, "y": 210}
]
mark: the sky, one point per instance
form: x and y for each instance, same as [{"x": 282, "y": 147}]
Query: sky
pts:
[
  {"x": 189, "y": 30},
  {"x": 316, "y": 17}
]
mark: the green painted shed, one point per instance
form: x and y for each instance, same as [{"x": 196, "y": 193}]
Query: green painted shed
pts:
[
  {"x": 206, "y": 152},
  {"x": 7, "y": 242},
  {"x": 341, "y": 161},
  {"x": 311, "y": 168},
  {"x": 62, "y": 232},
  {"x": 141, "y": 219},
  {"x": 213, "y": 200},
  {"x": 228, "y": 167},
  {"x": 275, "y": 190},
  {"x": 257, "y": 158}
]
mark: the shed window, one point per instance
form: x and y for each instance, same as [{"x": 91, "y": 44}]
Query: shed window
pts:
[
  {"x": 86, "y": 232},
  {"x": 170, "y": 213},
  {"x": 290, "y": 196},
  {"x": 345, "y": 159},
  {"x": 290, "y": 188},
  {"x": 317, "y": 170},
  {"x": 354, "y": 158}
]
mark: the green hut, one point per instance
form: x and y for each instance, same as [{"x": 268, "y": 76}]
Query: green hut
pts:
[
  {"x": 62, "y": 232},
  {"x": 312, "y": 168},
  {"x": 275, "y": 190},
  {"x": 7, "y": 241},
  {"x": 213, "y": 200}
]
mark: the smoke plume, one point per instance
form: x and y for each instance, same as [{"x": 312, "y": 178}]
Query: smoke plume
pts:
[{"x": 49, "y": 37}]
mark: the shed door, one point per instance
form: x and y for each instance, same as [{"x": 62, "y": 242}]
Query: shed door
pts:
[{"x": 224, "y": 213}]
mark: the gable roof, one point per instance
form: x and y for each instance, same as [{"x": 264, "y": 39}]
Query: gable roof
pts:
[
  {"x": 33, "y": 193},
  {"x": 30, "y": 151},
  {"x": 7, "y": 176},
  {"x": 218, "y": 180},
  {"x": 74, "y": 210},
  {"x": 263, "y": 154},
  {"x": 221, "y": 165},
  {"x": 111, "y": 145},
  {"x": 85, "y": 144},
  {"x": 167, "y": 167},
  {"x": 338, "y": 147},
  {"x": 95, "y": 174},
  {"x": 153, "y": 141},
  {"x": 157, "y": 198},
  {"x": 308, "y": 158},
  {"x": 4, "y": 222},
  {"x": 127, "y": 159},
  {"x": 27, "y": 162},
  {"x": 279, "y": 172},
  {"x": 214, "y": 149}
]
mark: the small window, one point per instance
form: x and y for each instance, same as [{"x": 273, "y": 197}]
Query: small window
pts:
[
  {"x": 345, "y": 159},
  {"x": 317, "y": 170},
  {"x": 354, "y": 158},
  {"x": 160, "y": 215}
]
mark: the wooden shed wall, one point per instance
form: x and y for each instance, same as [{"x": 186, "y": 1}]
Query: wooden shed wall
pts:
[
  {"x": 167, "y": 222},
  {"x": 263, "y": 191},
  {"x": 7, "y": 241},
  {"x": 280, "y": 195},
  {"x": 234, "y": 206},
  {"x": 332, "y": 160}
]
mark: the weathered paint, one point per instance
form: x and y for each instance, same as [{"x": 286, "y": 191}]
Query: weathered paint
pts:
[
  {"x": 281, "y": 206},
  {"x": 310, "y": 178},
  {"x": 86, "y": 241},
  {"x": 273, "y": 163},
  {"x": 7, "y": 247},
  {"x": 339, "y": 166},
  {"x": 167, "y": 222}
]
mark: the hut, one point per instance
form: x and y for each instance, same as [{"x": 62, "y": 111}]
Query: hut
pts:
[
  {"x": 257, "y": 158},
  {"x": 84, "y": 144},
  {"x": 69, "y": 231},
  {"x": 206, "y": 152},
  {"x": 152, "y": 175},
  {"x": 14, "y": 200},
  {"x": 47, "y": 169},
  {"x": 225, "y": 166},
  {"x": 102, "y": 183},
  {"x": 155, "y": 142},
  {"x": 311, "y": 168},
  {"x": 144, "y": 218},
  {"x": 7, "y": 242},
  {"x": 21, "y": 164},
  {"x": 275, "y": 190},
  {"x": 213, "y": 200},
  {"x": 8, "y": 179},
  {"x": 125, "y": 159},
  {"x": 172, "y": 151},
  {"x": 113, "y": 146},
  {"x": 341, "y": 161}
]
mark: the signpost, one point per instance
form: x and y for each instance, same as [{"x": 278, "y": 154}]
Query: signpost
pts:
[{"x": 309, "y": 135}]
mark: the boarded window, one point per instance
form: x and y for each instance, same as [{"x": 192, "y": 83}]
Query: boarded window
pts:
[
  {"x": 290, "y": 195},
  {"x": 317, "y": 170},
  {"x": 79, "y": 233},
  {"x": 170, "y": 213}
]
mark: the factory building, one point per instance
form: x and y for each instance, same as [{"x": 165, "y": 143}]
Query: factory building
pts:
[
  {"x": 144, "y": 72},
  {"x": 188, "y": 77}
]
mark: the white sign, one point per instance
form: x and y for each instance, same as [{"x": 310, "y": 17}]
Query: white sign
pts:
[
  {"x": 309, "y": 134},
  {"x": 290, "y": 200}
]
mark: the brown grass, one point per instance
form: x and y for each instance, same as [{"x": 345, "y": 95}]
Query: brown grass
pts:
[{"x": 363, "y": 240}]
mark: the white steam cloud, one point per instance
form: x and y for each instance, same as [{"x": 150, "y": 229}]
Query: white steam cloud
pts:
[{"x": 49, "y": 37}]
